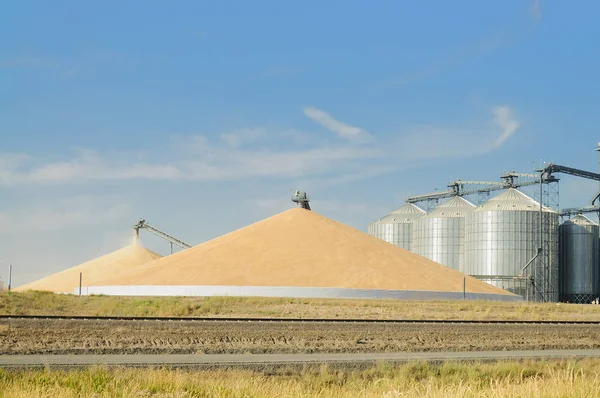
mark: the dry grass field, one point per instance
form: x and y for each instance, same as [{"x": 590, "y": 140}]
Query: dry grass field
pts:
[
  {"x": 503, "y": 379},
  {"x": 45, "y": 303},
  {"x": 19, "y": 336}
]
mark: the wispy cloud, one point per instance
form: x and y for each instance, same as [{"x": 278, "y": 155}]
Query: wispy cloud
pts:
[
  {"x": 9, "y": 163},
  {"x": 536, "y": 9},
  {"x": 240, "y": 137},
  {"x": 71, "y": 66},
  {"x": 65, "y": 213},
  {"x": 326, "y": 206},
  {"x": 342, "y": 129},
  {"x": 504, "y": 118},
  {"x": 203, "y": 161},
  {"x": 89, "y": 165},
  {"x": 431, "y": 142},
  {"x": 258, "y": 153}
]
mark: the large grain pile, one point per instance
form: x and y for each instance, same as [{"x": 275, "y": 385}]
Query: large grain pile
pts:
[
  {"x": 106, "y": 268},
  {"x": 301, "y": 248}
]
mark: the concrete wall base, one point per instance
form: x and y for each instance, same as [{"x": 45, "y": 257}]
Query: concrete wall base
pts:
[{"x": 287, "y": 291}]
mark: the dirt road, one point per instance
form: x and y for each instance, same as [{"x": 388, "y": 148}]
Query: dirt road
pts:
[{"x": 19, "y": 336}]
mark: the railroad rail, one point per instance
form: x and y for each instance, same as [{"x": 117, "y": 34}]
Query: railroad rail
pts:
[{"x": 296, "y": 320}]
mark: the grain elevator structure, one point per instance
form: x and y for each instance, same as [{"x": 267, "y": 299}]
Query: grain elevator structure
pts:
[{"x": 513, "y": 240}]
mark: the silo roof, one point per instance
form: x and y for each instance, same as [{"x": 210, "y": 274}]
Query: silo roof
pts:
[
  {"x": 580, "y": 219},
  {"x": 455, "y": 207},
  {"x": 407, "y": 213},
  {"x": 512, "y": 200}
]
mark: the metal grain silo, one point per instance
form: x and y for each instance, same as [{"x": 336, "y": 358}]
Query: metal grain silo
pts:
[
  {"x": 502, "y": 237},
  {"x": 397, "y": 227},
  {"x": 579, "y": 260},
  {"x": 439, "y": 235}
]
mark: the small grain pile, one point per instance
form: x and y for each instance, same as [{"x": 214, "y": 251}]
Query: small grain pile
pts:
[
  {"x": 106, "y": 268},
  {"x": 303, "y": 249}
]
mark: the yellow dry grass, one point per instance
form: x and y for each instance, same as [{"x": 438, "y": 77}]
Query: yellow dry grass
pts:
[
  {"x": 44, "y": 303},
  {"x": 301, "y": 248},
  {"x": 512, "y": 379}
]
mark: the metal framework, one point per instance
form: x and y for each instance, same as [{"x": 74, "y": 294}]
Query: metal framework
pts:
[
  {"x": 541, "y": 272},
  {"x": 573, "y": 211},
  {"x": 302, "y": 199},
  {"x": 546, "y": 269},
  {"x": 538, "y": 279},
  {"x": 544, "y": 278},
  {"x": 142, "y": 224},
  {"x": 555, "y": 168},
  {"x": 466, "y": 188},
  {"x": 593, "y": 207}
]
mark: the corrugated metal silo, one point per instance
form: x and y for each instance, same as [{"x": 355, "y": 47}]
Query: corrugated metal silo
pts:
[
  {"x": 502, "y": 236},
  {"x": 579, "y": 260},
  {"x": 397, "y": 227},
  {"x": 440, "y": 234}
]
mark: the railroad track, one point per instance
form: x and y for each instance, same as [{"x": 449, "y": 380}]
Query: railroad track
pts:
[{"x": 293, "y": 320}]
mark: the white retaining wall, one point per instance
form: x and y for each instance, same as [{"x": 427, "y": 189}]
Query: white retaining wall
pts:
[{"x": 287, "y": 291}]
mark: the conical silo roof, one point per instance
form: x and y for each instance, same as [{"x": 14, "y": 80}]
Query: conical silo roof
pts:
[
  {"x": 455, "y": 207},
  {"x": 512, "y": 200},
  {"x": 582, "y": 220},
  {"x": 405, "y": 214}
]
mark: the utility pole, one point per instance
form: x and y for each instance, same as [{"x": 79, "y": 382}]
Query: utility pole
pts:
[{"x": 9, "y": 277}]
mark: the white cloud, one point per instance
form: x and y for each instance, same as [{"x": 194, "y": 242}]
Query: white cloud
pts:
[
  {"x": 238, "y": 155},
  {"x": 74, "y": 212},
  {"x": 41, "y": 235},
  {"x": 89, "y": 165},
  {"x": 324, "y": 206},
  {"x": 202, "y": 161},
  {"x": 342, "y": 129},
  {"x": 503, "y": 117},
  {"x": 240, "y": 137},
  {"x": 217, "y": 163},
  {"x": 9, "y": 162},
  {"x": 431, "y": 142}
]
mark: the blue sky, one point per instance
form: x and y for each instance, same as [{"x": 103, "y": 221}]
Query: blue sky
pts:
[{"x": 202, "y": 116}]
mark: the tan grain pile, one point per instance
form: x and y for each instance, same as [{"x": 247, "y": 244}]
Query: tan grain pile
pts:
[
  {"x": 301, "y": 248},
  {"x": 106, "y": 268}
]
